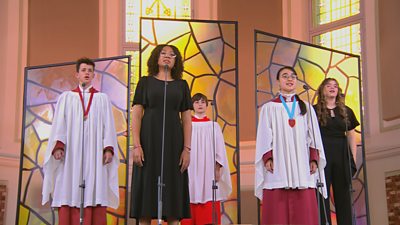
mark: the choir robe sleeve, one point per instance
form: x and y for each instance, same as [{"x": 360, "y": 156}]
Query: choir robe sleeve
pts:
[
  {"x": 315, "y": 142},
  {"x": 110, "y": 140},
  {"x": 263, "y": 146},
  {"x": 58, "y": 133},
  {"x": 224, "y": 184}
]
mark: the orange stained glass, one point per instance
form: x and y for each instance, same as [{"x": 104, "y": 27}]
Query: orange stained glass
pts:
[
  {"x": 327, "y": 11},
  {"x": 134, "y": 9}
]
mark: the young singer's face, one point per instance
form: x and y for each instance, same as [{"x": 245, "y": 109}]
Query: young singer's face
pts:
[
  {"x": 85, "y": 74},
  {"x": 200, "y": 106},
  {"x": 287, "y": 81},
  {"x": 331, "y": 89},
  {"x": 167, "y": 57}
]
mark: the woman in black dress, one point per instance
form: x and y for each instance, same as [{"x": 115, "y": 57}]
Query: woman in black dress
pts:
[
  {"x": 337, "y": 123},
  {"x": 164, "y": 65}
]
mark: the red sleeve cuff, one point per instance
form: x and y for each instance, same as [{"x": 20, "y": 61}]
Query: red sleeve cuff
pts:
[
  {"x": 267, "y": 156},
  {"x": 314, "y": 156},
  {"x": 109, "y": 149},
  {"x": 59, "y": 145}
]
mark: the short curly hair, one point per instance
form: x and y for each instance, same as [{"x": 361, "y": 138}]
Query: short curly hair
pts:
[
  {"x": 153, "y": 67},
  {"x": 84, "y": 60}
]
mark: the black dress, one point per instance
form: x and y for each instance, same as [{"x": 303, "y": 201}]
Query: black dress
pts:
[
  {"x": 337, "y": 170},
  {"x": 149, "y": 93}
]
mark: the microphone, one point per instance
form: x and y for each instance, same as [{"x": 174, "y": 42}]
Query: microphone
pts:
[
  {"x": 166, "y": 67},
  {"x": 306, "y": 87},
  {"x": 211, "y": 102},
  {"x": 83, "y": 84}
]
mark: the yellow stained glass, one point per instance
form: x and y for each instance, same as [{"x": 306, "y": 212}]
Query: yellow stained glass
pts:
[
  {"x": 327, "y": 11},
  {"x": 31, "y": 142},
  {"x": 316, "y": 55},
  {"x": 134, "y": 9},
  {"x": 345, "y": 39}
]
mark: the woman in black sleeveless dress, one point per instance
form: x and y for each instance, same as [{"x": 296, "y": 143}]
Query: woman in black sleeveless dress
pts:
[
  {"x": 337, "y": 123},
  {"x": 165, "y": 65}
]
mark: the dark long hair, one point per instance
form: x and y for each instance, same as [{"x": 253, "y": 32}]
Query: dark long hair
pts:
[
  {"x": 302, "y": 105},
  {"x": 321, "y": 108},
  {"x": 153, "y": 67}
]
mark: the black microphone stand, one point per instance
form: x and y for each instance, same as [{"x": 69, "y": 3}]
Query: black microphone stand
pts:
[
  {"x": 214, "y": 182},
  {"x": 351, "y": 190},
  {"x": 82, "y": 185},
  {"x": 161, "y": 177},
  {"x": 320, "y": 184}
]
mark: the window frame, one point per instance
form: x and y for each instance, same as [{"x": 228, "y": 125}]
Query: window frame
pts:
[{"x": 338, "y": 24}]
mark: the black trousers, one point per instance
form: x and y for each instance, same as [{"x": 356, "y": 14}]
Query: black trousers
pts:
[{"x": 338, "y": 175}]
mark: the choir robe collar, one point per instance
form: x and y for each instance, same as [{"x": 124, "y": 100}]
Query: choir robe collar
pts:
[
  {"x": 286, "y": 97},
  {"x": 198, "y": 119},
  {"x": 89, "y": 89}
]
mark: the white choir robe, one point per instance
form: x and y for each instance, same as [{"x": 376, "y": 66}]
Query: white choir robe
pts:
[
  {"x": 201, "y": 167},
  {"x": 290, "y": 149},
  {"x": 62, "y": 177}
]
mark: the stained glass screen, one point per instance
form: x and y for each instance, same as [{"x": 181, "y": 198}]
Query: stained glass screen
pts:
[
  {"x": 209, "y": 50},
  {"x": 313, "y": 64},
  {"x": 43, "y": 85}
]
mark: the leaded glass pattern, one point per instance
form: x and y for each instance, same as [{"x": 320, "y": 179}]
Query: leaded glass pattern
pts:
[
  {"x": 327, "y": 11},
  {"x": 43, "y": 85},
  {"x": 313, "y": 64},
  {"x": 209, "y": 51},
  {"x": 134, "y": 9},
  {"x": 347, "y": 39}
]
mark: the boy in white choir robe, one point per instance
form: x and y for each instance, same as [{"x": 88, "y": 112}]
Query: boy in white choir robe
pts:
[
  {"x": 288, "y": 152},
  {"x": 201, "y": 168},
  {"x": 63, "y": 156}
]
